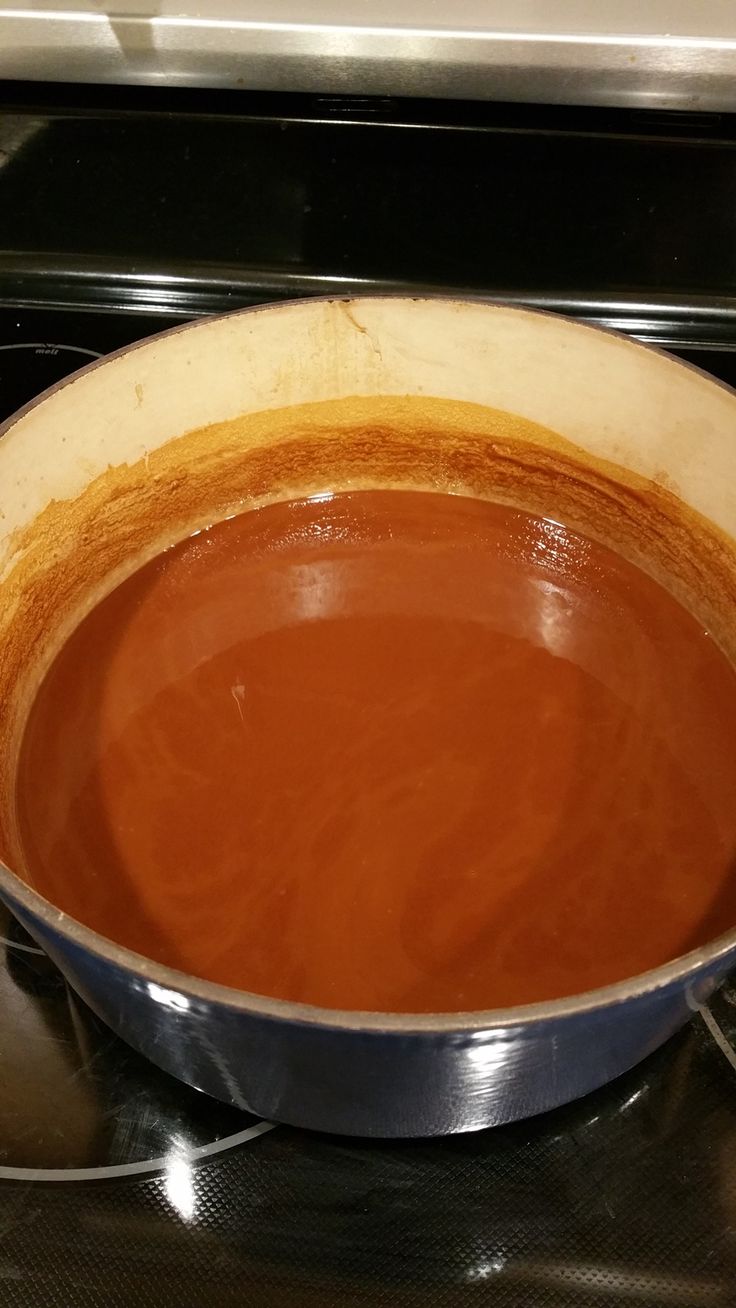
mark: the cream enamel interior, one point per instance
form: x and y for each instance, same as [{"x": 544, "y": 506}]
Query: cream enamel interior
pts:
[{"x": 610, "y": 397}]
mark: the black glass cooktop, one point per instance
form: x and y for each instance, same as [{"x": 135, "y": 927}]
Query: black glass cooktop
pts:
[
  {"x": 124, "y": 212},
  {"x": 120, "y": 1186}
]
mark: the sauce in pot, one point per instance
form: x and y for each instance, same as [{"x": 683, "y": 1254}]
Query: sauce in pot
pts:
[{"x": 388, "y": 750}]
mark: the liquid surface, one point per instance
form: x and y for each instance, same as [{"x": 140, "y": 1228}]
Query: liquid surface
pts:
[{"x": 390, "y": 751}]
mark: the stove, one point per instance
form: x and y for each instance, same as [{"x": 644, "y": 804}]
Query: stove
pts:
[
  {"x": 118, "y": 1185},
  {"x": 124, "y": 211}
]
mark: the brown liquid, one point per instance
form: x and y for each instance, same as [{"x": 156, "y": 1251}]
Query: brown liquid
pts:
[{"x": 391, "y": 751}]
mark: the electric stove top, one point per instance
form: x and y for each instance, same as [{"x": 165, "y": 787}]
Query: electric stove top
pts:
[
  {"x": 120, "y": 1186},
  {"x": 123, "y": 212}
]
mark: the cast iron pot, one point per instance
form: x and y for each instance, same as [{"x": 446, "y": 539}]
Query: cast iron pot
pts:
[{"x": 139, "y": 449}]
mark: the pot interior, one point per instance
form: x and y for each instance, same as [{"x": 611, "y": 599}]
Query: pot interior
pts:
[{"x": 76, "y": 548}]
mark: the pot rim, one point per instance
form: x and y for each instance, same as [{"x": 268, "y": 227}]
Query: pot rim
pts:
[{"x": 158, "y": 975}]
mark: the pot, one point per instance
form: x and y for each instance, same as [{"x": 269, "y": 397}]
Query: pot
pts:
[{"x": 137, "y": 450}]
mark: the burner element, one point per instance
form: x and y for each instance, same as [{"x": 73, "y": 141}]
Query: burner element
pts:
[{"x": 75, "y": 1102}]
